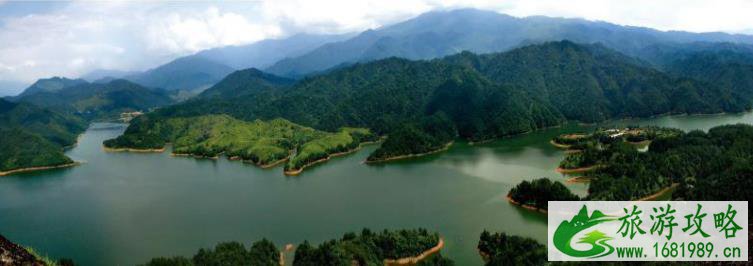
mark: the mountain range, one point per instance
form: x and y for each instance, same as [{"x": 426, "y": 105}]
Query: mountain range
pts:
[
  {"x": 93, "y": 101},
  {"x": 421, "y": 105},
  {"x": 441, "y": 33}
]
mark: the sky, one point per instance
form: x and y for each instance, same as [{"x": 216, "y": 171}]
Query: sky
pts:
[{"x": 44, "y": 39}]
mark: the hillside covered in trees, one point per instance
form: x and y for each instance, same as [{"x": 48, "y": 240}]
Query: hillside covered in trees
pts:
[
  {"x": 34, "y": 137},
  {"x": 422, "y": 105},
  {"x": 258, "y": 142},
  {"x": 366, "y": 248},
  {"x": 97, "y": 101}
]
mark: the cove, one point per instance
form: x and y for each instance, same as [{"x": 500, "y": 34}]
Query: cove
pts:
[{"x": 125, "y": 208}]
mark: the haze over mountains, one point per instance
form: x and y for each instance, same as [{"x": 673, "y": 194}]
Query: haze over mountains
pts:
[
  {"x": 441, "y": 33},
  {"x": 430, "y": 35},
  {"x": 203, "y": 69}
]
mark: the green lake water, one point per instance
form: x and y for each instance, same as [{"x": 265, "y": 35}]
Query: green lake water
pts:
[{"x": 124, "y": 208}]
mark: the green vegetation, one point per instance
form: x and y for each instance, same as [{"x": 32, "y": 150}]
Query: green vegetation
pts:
[
  {"x": 538, "y": 192},
  {"x": 591, "y": 83},
  {"x": 98, "y": 101},
  {"x": 258, "y": 142},
  {"x": 701, "y": 163},
  {"x": 246, "y": 82},
  {"x": 261, "y": 253},
  {"x": 475, "y": 97},
  {"x": 34, "y": 137},
  {"x": 590, "y": 147},
  {"x": 21, "y": 149},
  {"x": 502, "y": 249},
  {"x": 369, "y": 248}
]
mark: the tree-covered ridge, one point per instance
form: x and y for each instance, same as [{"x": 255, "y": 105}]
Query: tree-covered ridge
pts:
[
  {"x": 244, "y": 82},
  {"x": 591, "y": 83},
  {"x": 479, "y": 97},
  {"x": 51, "y": 85},
  {"x": 59, "y": 128},
  {"x": 371, "y": 248},
  {"x": 539, "y": 192},
  {"x": 259, "y": 142},
  {"x": 34, "y": 137},
  {"x": 20, "y": 149},
  {"x": 99, "y": 101},
  {"x": 261, "y": 253}
]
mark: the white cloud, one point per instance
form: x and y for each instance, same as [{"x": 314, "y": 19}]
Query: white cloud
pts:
[
  {"x": 81, "y": 36},
  {"x": 181, "y": 33}
]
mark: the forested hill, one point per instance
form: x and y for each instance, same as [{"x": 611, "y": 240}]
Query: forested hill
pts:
[
  {"x": 51, "y": 85},
  {"x": 592, "y": 83},
  {"x": 32, "y": 137},
  {"x": 99, "y": 101},
  {"x": 245, "y": 82},
  {"x": 478, "y": 97}
]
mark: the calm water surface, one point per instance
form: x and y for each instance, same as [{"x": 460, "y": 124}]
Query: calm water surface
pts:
[{"x": 124, "y": 208}]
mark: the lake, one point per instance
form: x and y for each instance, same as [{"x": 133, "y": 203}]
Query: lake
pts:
[{"x": 125, "y": 208}]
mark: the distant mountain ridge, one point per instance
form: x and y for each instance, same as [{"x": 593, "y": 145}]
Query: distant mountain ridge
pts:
[
  {"x": 186, "y": 73},
  {"x": 264, "y": 53},
  {"x": 199, "y": 71},
  {"x": 53, "y": 84},
  {"x": 440, "y": 33},
  {"x": 96, "y": 100}
]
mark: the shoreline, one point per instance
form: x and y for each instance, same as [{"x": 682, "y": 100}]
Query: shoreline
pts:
[
  {"x": 294, "y": 172},
  {"x": 578, "y": 179},
  {"x": 401, "y": 157},
  {"x": 160, "y": 150},
  {"x": 559, "y": 146},
  {"x": 525, "y": 206},
  {"x": 38, "y": 168},
  {"x": 577, "y": 170},
  {"x": 195, "y": 156},
  {"x": 416, "y": 259},
  {"x": 659, "y": 193}
]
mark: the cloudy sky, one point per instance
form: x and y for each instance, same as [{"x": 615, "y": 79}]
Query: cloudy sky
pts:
[{"x": 42, "y": 39}]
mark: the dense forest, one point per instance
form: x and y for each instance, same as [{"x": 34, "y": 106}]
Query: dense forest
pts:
[
  {"x": 479, "y": 97},
  {"x": 539, "y": 192},
  {"x": 34, "y": 137},
  {"x": 709, "y": 165},
  {"x": 366, "y": 248},
  {"x": 261, "y": 253},
  {"x": 258, "y": 142},
  {"x": 371, "y": 248},
  {"x": 501, "y": 249},
  {"x": 244, "y": 83}
]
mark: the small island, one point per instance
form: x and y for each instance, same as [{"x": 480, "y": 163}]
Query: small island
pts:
[
  {"x": 262, "y": 143},
  {"x": 536, "y": 194}
]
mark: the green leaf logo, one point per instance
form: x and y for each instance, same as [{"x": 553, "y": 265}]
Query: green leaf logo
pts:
[{"x": 567, "y": 230}]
